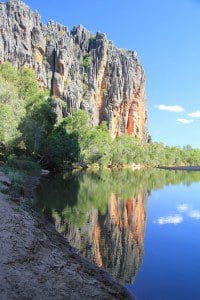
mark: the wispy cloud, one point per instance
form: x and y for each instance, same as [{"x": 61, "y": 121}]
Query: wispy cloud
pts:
[
  {"x": 172, "y": 219},
  {"x": 172, "y": 108},
  {"x": 183, "y": 207},
  {"x": 195, "y": 114},
  {"x": 185, "y": 121},
  {"x": 195, "y": 214},
  {"x": 183, "y": 210},
  {"x": 192, "y": 213}
]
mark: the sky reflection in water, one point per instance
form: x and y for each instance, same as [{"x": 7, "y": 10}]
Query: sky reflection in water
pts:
[{"x": 142, "y": 227}]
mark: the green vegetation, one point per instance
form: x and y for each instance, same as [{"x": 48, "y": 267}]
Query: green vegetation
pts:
[
  {"x": 23, "y": 165},
  {"x": 61, "y": 33},
  {"x": 29, "y": 130},
  {"x": 85, "y": 87},
  {"x": 17, "y": 179},
  {"x": 87, "y": 61},
  {"x": 27, "y": 114},
  {"x": 67, "y": 81},
  {"x": 44, "y": 59},
  {"x": 124, "y": 51},
  {"x": 69, "y": 200},
  {"x": 49, "y": 38},
  {"x": 92, "y": 37},
  {"x": 84, "y": 82}
]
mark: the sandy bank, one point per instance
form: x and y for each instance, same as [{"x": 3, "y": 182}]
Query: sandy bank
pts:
[{"x": 36, "y": 262}]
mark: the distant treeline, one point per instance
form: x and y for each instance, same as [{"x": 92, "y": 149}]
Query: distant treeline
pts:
[{"x": 30, "y": 131}]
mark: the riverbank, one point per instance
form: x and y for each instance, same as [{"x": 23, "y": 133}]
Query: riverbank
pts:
[
  {"x": 181, "y": 168},
  {"x": 36, "y": 262}
]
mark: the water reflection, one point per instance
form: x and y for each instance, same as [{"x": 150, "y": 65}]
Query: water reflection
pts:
[{"x": 103, "y": 214}]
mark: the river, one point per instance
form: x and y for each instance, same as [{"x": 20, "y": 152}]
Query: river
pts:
[{"x": 143, "y": 227}]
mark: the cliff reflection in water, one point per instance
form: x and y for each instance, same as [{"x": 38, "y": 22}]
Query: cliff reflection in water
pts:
[{"x": 103, "y": 214}]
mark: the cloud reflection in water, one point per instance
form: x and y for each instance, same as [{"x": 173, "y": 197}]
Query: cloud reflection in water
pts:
[{"x": 178, "y": 218}]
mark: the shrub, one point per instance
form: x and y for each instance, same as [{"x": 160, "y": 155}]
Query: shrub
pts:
[
  {"x": 87, "y": 61},
  {"x": 23, "y": 164},
  {"x": 17, "y": 179}
]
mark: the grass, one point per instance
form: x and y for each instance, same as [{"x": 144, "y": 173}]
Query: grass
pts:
[
  {"x": 24, "y": 165},
  {"x": 17, "y": 178},
  {"x": 17, "y": 171}
]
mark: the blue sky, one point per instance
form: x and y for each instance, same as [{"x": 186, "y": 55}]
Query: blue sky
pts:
[{"x": 166, "y": 36}]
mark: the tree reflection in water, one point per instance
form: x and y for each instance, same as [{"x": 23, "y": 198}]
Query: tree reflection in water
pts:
[{"x": 103, "y": 214}]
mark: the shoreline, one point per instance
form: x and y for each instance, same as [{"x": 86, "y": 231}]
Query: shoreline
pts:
[
  {"x": 33, "y": 251},
  {"x": 181, "y": 168}
]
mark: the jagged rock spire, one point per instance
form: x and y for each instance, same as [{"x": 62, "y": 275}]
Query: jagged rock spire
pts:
[{"x": 86, "y": 71}]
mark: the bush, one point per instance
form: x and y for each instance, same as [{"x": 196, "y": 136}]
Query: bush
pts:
[
  {"x": 17, "y": 179},
  {"x": 87, "y": 61},
  {"x": 22, "y": 164}
]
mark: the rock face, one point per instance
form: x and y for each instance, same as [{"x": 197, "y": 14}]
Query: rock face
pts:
[{"x": 86, "y": 71}]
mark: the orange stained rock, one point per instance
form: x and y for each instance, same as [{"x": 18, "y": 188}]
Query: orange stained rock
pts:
[
  {"x": 101, "y": 101},
  {"x": 96, "y": 240},
  {"x": 115, "y": 211},
  {"x": 130, "y": 123},
  {"x": 121, "y": 213},
  {"x": 139, "y": 220},
  {"x": 129, "y": 215},
  {"x": 139, "y": 100},
  {"x": 60, "y": 68},
  {"x": 38, "y": 57},
  {"x": 129, "y": 208}
]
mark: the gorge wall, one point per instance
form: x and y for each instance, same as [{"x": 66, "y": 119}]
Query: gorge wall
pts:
[{"x": 86, "y": 71}]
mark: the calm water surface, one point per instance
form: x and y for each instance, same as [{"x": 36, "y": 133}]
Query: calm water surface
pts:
[{"x": 143, "y": 227}]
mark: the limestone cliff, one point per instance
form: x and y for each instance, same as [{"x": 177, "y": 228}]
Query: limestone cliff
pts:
[{"x": 86, "y": 71}]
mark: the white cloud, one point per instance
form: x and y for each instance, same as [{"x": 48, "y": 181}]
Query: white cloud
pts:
[
  {"x": 172, "y": 219},
  {"x": 178, "y": 218},
  {"x": 184, "y": 121},
  {"x": 172, "y": 108},
  {"x": 195, "y": 214},
  {"x": 195, "y": 114},
  {"x": 183, "y": 208}
]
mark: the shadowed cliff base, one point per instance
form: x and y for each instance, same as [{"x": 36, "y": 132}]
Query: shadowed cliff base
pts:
[{"x": 36, "y": 262}]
